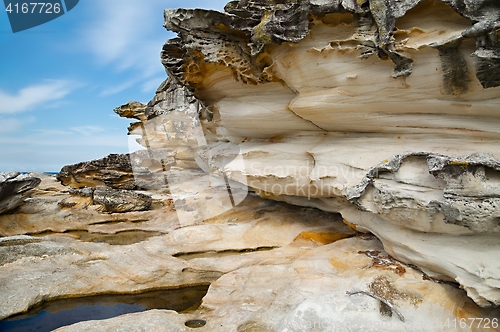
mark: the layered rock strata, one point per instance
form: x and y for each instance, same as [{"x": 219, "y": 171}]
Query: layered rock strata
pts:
[
  {"x": 384, "y": 111},
  {"x": 271, "y": 267},
  {"x": 119, "y": 171},
  {"x": 14, "y": 189}
]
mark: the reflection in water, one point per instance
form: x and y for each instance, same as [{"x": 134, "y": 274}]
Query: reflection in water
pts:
[{"x": 57, "y": 313}]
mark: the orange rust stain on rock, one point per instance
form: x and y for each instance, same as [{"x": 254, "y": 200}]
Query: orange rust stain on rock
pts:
[
  {"x": 322, "y": 237},
  {"x": 339, "y": 263},
  {"x": 353, "y": 226},
  {"x": 477, "y": 318}
]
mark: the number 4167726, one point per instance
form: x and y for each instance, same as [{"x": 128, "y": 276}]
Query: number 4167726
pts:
[
  {"x": 482, "y": 323},
  {"x": 34, "y": 8}
]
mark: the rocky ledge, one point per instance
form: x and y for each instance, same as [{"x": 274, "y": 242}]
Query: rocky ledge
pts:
[
  {"x": 271, "y": 266},
  {"x": 384, "y": 111}
]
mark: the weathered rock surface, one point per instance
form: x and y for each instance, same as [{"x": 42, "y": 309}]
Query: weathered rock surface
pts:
[
  {"x": 309, "y": 292},
  {"x": 110, "y": 200},
  {"x": 137, "y": 170},
  {"x": 304, "y": 92},
  {"x": 58, "y": 258},
  {"x": 170, "y": 123},
  {"x": 120, "y": 201},
  {"x": 14, "y": 187},
  {"x": 51, "y": 205},
  {"x": 383, "y": 111},
  {"x": 132, "y": 110},
  {"x": 114, "y": 171},
  {"x": 271, "y": 266}
]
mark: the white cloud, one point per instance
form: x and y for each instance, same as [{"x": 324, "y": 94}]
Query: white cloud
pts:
[
  {"x": 56, "y": 139},
  {"x": 34, "y": 96},
  {"x": 129, "y": 35},
  {"x": 52, "y": 132},
  {"x": 78, "y": 131},
  {"x": 50, "y": 150}
]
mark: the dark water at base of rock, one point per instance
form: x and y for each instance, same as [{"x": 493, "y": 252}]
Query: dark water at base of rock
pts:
[{"x": 54, "y": 314}]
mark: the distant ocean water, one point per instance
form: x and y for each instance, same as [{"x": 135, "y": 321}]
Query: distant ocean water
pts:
[{"x": 48, "y": 173}]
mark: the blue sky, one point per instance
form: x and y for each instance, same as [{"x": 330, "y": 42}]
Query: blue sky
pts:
[{"x": 60, "y": 81}]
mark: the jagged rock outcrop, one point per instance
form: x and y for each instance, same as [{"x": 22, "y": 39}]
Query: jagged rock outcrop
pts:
[
  {"x": 169, "y": 122},
  {"x": 384, "y": 111},
  {"x": 14, "y": 187},
  {"x": 132, "y": 110},
  {"x": 114, "y": 171},
  {"x": 137, "y": 170},
  {"x": 57, "y": 209}
]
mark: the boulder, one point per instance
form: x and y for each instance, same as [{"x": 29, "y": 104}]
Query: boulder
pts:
[
  {"x": 14, "y": 187},
  {"x": 142, "y": 169},
  {"x": 114, "y": 171},
  {"x": 119, "y": 201},
  {"x": 108, "y": 200}
]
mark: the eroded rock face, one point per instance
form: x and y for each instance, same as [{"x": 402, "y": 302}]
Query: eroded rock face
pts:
[
  {"x": 271, "y": 267},
  {"x": 114, "y": 171},
  {"x": 309, "y": 291},
  {"x": 13, "y": 189},
  {"x": 374, "y": 109},
  {"x": 384, "y": 111},
  {"x": 137, "y": 170},
  {"x": 110, "y": 200},
  {"x": 120, "y": 201}
]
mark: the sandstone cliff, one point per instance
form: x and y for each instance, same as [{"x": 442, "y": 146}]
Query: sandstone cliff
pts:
[
  {"x": 384, "y": 111},
  {"x": 372, "y": 116}
]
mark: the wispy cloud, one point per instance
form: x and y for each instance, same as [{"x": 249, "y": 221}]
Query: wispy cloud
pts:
[
  {"x": 128, "y": 34},
  {"x": 10, "y": 125},
  {"x": 34, "y": 96},
  {"x": 71, "y": 138},
  {"x": 51, "y": 132},
  {"x": 88, "y": 130}
]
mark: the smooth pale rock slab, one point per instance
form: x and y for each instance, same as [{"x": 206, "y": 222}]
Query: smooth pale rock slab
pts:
[
  {"x": 310, "y": 293},
  {"x": 152, "y": 320},
  {"x": 271, "y": 266},
  {"x": 41, "y": 268}
]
